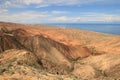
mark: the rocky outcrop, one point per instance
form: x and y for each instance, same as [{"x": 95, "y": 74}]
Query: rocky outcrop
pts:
[{"x": 8, "y": 41}]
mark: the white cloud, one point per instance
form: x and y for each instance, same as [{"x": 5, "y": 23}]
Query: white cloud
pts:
[
  {"x": 3, "y": 11},
  {"x": 45, "y": 17},
  {"x": 28, "y": 2},
  {"x": 89, "y": 18},
  {"x": 58, "y": 12},
  {"x": 61, "y": 18},
  {"x": 25, "y": 17},
  {"x": 7, "y": 3},
  {"x": 100, "y": 17},
  {"x": 44, "y": 3}
]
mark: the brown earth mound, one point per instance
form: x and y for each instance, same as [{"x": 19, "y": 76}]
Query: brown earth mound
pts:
[{"x": 54, "y": 56}]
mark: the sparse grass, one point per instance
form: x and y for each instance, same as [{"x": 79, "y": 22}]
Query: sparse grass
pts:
[
  {"x": 11, "y": 72},
  {"x": 32, "y": 63},
  {"x": 59, "y": 78},
  {"x": 14, "y": 79},
  {"x": 11, "y": 60},
  {"x": 2, "y": 69},
  {"x": 1, "y": 56},
  {"x": 5, "y": 66},
  {"x": 93, "y": 50},
  {"x": 75, "y": 78}
]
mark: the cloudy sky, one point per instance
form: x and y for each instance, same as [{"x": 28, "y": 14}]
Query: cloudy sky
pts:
[{"x": 60, "y": 11}]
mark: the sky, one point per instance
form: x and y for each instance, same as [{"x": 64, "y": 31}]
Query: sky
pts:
[{"x": 60, "y": 11}]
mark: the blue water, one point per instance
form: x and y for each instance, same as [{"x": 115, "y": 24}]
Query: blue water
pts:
[{"x": 104, "y": 28}]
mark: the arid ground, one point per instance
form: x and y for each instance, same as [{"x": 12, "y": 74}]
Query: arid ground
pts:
[{"x": 41, "y": 52}]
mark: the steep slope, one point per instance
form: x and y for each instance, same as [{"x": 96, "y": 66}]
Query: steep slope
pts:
[
  {"x": 17, "y": 63},
  {"x": 100, "y": 42},
  {"x": 106, "y": 67},
  {"x": 35, "y": 43},
  {"x": 54, "y": 56},
  {"x": 7, "y": 41},
  {"x": 22, "y": 65}
]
